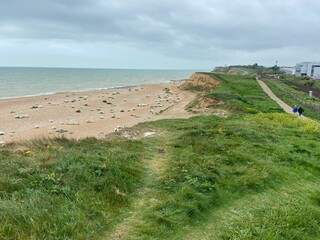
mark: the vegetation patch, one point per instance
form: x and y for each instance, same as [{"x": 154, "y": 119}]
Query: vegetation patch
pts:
[
  {"x": 64, "y": 189},
  {"x": 251, "y": 175}
]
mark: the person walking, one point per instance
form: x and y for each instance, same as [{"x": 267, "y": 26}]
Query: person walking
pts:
[
  {"x": 300, "y": 111},
  {"x": 295, "y": 109}
]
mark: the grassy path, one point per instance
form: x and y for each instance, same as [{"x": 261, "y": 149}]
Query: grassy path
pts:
[
  {"x": 145, "y": 200},
  {"x": 281, "y": 103}
]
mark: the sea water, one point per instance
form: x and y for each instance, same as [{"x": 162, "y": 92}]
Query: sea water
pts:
[{"x": 20, "y": 82}]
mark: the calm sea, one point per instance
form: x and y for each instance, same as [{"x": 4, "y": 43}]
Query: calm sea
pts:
[{"x": 18, "y": 81}]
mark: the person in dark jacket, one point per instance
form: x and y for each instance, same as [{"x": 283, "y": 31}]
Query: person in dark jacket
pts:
[{"x": 300, "y": 111}]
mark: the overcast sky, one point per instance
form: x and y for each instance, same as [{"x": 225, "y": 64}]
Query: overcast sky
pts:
[{"x": 170, "y": 34}]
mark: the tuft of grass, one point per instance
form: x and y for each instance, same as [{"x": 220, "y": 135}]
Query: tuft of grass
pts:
[{"x": 67, "y": 189}]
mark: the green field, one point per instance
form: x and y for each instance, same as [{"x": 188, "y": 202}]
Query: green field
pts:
[{"x": 253, "y": 174}]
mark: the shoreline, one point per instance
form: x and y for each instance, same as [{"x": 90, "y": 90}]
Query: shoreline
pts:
[
  {"x": 88, "y": 90},
  {"x": 93, "y": 113}
]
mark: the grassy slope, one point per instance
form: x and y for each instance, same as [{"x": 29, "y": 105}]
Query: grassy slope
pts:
[
  {"x": 252, "y": 175},
  {"x": 290, "y": 101}
]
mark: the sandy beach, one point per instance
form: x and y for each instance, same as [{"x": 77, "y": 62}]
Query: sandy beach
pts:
[{"x": 90, "y": 114}]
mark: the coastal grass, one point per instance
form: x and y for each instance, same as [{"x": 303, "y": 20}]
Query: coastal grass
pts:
[
  {"x": 61, "y": 189},
  {"x": 308, "y": 112},
  {"x": 251, "y": 175}
]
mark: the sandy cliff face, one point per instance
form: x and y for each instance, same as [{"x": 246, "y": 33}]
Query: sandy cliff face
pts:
[{"x": 200, "y": 80}]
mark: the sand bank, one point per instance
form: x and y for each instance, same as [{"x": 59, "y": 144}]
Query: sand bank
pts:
[{"x": 90, "y": 114}]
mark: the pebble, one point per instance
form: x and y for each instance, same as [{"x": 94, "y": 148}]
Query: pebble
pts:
[
  {"x": 61, "y": 130},
  {"x": 21, "y": 116},
  {"x": 1, "y": 133},
  {"x": 72, "y": 123},
  {"x": 142, "y": 104},
  {"x": 2, "y": 143}
]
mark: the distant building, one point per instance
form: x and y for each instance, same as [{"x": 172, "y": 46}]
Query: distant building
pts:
[
  {"x": 288, "y": 70},
  {"x": 310, "y": 69}
]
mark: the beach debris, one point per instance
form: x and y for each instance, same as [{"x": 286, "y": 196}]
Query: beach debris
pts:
[
  {"x": 119, "y": 128},
  {"x": 21, "y": 116},
  {"x": 78, "y": 111},
  {"x": 61, "y": 130},
  {"x": 2, "y": 143},
  {"x": 122, "y": 110},
  {"x": 149, "y": 134},
  {"x": 142, "y": 105},
  {"x": 1, "y": 133},
  {"x": 34, "y": 106},
  {"x": 71, "y": 122},
  {"x": 36, "y": 126}
]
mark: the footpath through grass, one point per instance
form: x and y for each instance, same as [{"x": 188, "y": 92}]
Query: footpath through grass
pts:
[{"x": 252, "y": 175}]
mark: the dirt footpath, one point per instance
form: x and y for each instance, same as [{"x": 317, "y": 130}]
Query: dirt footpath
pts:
[{"x": 281, "y": 103}]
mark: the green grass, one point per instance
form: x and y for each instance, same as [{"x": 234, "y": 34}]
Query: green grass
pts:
[
  {"x": 252, "y": 175},
  {"x": 308, "y": 112},
  {"x": 243, "y": 95},
  {"x": 63, "y": 189}
]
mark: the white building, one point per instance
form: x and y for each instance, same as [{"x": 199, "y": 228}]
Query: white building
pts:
[{"x": 311, "y": 69}]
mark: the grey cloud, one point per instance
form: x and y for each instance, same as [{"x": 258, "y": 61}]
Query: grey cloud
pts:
[{"x": 190, "y": 28}]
